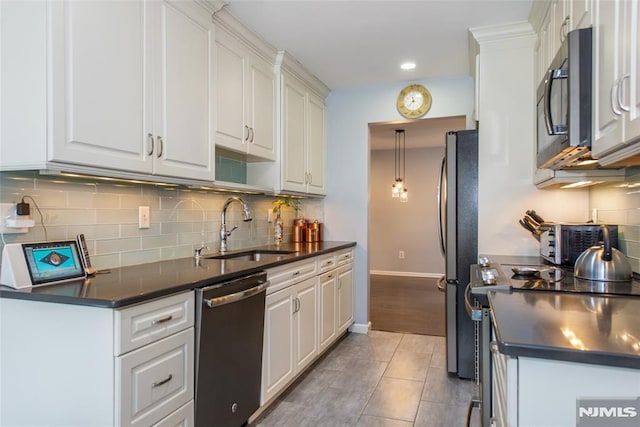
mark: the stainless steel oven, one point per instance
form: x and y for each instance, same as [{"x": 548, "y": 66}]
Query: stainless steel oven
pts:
[{"x": 500, "y": 276}]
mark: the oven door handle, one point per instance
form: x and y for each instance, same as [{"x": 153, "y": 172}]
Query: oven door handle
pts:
[
  {"x": 475, "y": 313},
  {"x": 238, "y": 296}
]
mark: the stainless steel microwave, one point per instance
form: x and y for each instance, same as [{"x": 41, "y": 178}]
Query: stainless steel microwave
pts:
[{"x": 564, "y": 105}]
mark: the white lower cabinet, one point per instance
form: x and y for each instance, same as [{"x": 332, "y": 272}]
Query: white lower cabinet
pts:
[
  {"x": 110, "y": 367},
  {"x": 290, "y": 332},
  {"x": 304, "y": 316}
]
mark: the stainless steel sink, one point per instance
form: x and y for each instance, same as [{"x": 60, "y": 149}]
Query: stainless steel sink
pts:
[{"x": 253, "y": 255}]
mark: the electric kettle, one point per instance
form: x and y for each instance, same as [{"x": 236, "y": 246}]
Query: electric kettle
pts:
[{"x": 603, "y": 263}]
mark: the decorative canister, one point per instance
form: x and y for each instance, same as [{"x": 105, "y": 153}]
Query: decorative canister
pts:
[
  {"x": 297, "y": 233},
  {"x": 316, "y": 225}
]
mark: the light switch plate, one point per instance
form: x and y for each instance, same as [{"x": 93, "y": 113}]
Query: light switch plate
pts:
[{"x": 144, "y": 217}]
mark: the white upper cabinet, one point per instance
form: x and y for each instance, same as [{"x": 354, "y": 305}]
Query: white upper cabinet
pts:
[
  {"x": 616, "y": 81},
  {"x": 117, "y": 88},
  {"x": 581, "y": 13},
  {"x": 246, "y": 103},
  {"x": 102, "y": 101},
  {"x": 132, "y": 87},
  {"x": 303, "y": 125}
]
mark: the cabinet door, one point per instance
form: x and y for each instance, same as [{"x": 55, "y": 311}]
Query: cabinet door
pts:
[
  {"x": 316, "y": 146},
  {"x": 306, "y": 323},
  {"x": 100, "y": 90},
  {"x": 230, "y": 65},
  {"x": 261, "y": 109},
  {"x": 183, "y": 117},
  {"x": 277, "y": 359},
  {"x": 631, "y": 72},
  {"x": 328, "y": 316},
  {"x": 293, "y": 135},
  {"x": 561, "y": 24},
  {"x": 345, "y": 297},
  {"x": 607, "y": 127}
]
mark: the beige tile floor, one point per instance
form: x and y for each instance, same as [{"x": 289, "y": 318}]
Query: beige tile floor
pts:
[{"x": 382, "y": 379}]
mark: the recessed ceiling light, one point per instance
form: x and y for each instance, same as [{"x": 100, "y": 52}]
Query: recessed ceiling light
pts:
[{"x": 408, "y": 66}]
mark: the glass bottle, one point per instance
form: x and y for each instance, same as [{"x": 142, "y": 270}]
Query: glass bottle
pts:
[{"x": 278, "y": 228}]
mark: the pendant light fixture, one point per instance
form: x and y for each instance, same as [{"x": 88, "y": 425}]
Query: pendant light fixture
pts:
[{"x": 398, "y": 188}]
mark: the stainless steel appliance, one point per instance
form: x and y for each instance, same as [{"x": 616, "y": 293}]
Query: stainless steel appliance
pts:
[
  {"x": 229, "y": 335},
  {"x": 562, "y": 243},
  {"x": 534, "y": 276},
  {"x": 458, "y": 232},
  {"x": 564, "y": 105}
]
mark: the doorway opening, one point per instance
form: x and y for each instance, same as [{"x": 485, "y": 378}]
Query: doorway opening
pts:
[{"x": 405, "y": 261}]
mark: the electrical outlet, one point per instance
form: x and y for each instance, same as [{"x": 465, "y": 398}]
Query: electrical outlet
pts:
[
  {"x": 401, "y": 254},
  {"x": 8, "y": 212},
  {"x": 144, "y": 220}
]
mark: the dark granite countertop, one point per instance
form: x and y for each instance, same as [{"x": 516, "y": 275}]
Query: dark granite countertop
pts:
[
  {"x": 593, "y": 329},
  {"x": 129, "y": 285}
]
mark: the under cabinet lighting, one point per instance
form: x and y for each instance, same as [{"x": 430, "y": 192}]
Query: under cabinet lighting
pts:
[
  {"x": 408, "y": 65},
  {"x": 580, "y": 184}
]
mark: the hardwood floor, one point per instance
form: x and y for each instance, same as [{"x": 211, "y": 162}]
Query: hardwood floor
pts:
[{"x": 406, "y": 304}]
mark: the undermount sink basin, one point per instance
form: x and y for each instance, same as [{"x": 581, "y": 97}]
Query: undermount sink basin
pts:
[{"x": 254, "y": 255}]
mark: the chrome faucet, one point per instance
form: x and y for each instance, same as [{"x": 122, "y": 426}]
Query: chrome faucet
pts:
[{"x": 246, "y": 216}]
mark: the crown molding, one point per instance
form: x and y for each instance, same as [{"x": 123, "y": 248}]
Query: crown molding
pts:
[
  {"x": 225, "y": 20},
  {"x": 286, "y": 62},
  {"x": 512, "y": 30}
]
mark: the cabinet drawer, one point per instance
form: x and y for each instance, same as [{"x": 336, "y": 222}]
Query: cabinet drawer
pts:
[
  {"x": 326, "y": 262},
  {"x": 183, "y": 417},
  {"x": 344, "y": 256},
  {"x": 289, "y": 274},
  {"x": 145, "y": 323},
  {"x": 155, "y": 380}
]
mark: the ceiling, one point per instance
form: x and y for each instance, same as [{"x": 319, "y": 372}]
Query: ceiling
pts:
[
  {"x": 362, "y": 42},
  {"x": 421, "y": 133}
]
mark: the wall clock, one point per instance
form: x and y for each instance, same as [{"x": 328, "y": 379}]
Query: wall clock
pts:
[{"x": 414, "y": 101}]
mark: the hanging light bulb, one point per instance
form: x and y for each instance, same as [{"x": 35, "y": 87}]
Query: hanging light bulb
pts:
[
  {"x": 396, "y": 188},
  {"x": 404, "y": 196}
]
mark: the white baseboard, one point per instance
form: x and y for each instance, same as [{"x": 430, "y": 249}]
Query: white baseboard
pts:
[
  {"x": 360, "y": 328},
  {"x": 406, "y": 274}
]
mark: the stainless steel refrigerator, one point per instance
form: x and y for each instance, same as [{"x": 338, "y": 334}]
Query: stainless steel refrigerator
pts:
[{"x": 458, "y": 225}]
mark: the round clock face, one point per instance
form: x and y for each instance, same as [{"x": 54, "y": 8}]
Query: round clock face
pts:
[{"x": 414, "y": 101}]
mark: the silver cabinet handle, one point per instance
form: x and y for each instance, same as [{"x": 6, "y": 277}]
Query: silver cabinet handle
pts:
[
  {"x": 442, "y": 287},
  {"x": 150, "y": 144},
  {"x": 310, "y": 178},
  {"x": 213, "y": 302},
  {"x": 162, "y": 320},
  {"x": 160, "y": 146},
  {"x": 164, "y": 381},
  {"x": 246, "y": 132},
  {"x": 339, "y": 284},
  {"x": 614, "y": 97},
  {"x": 251, "y": 130},
  {"x": 620, "y": 87},
  {"x": 493, "y": 347},
  {"x": 296, "y": 305}
]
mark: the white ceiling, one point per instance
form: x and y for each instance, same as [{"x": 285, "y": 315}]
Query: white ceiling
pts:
[
  {"x": 421, "y": 133},
  {"x": 362, "y": 42}
]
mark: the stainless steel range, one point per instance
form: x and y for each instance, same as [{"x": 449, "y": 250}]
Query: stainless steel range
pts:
[{"x": 518, "y": 274}]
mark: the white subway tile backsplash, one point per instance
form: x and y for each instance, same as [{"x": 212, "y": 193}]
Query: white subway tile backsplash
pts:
[{"x": 107, "y": 214}]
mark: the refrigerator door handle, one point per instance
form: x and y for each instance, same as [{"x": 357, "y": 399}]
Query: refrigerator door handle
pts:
[{"x": 441, "y": 202}]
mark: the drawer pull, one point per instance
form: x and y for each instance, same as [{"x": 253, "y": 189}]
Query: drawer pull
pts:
[
  {"x": 164, "y": 381},
  {"x": 329, "y": 262},
  {"x": 296, "y": 273},
  {"x": 330, "y": 276},
  {"x": 163, "y": 320}
]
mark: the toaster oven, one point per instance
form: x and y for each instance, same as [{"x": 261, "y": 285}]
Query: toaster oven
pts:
[{"x": 561, "y": 244}]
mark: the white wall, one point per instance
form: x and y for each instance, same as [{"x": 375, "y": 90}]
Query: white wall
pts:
[
  {"x": 507, "y": 146},
  {"x": 410, "y": 227},
  {"x": 349, "y": 111}
]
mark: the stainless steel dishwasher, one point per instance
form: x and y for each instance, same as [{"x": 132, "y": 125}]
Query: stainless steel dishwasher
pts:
[{"x": 229, "y": 334}]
